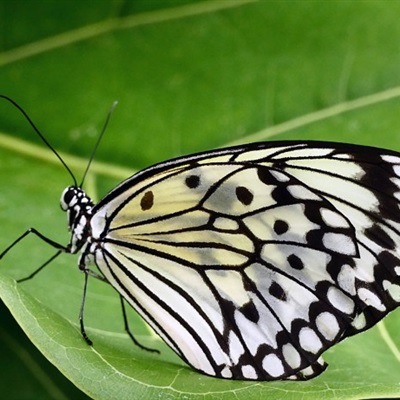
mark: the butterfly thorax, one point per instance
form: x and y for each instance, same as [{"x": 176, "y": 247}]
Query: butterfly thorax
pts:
[{"x": 78, "y": 206}]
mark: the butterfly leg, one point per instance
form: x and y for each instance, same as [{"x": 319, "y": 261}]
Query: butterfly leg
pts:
[
  {"x": 95, "y": 274},
  {"x": 52, "y": 243},
  {"x": 61, "y": 249},
  {"x": 81, "y": 311},
  {"x": 126, "y": 325},
  {"x": 40, "y": 268}
]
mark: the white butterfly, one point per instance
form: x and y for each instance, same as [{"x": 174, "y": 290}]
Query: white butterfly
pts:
[{"x": 249, "y": 261}]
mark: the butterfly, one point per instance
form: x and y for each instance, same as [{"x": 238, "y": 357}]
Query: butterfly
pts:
[{"x": 249, "y": 261}]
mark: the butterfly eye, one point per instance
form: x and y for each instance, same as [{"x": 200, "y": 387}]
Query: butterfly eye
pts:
[{"x": 68, "y": 198}]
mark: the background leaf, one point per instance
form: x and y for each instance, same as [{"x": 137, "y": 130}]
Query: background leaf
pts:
[{"x": 189, "y": 76}]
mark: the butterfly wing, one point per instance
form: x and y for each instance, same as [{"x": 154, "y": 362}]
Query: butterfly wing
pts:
[{"x": 250, "y": 262}]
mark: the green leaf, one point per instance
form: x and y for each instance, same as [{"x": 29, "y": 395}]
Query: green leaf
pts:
[{"x": 189, "y": 76}]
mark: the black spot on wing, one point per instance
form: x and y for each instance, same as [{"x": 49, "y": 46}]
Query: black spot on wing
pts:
[
  {"x": 380, "y": 237},
  {"x": 147, "y": 201},
  {"x": 192, "y": 181},
  {"x": 295, "y": 262},
  {"x": 249, "y": 310},
  {"x": 280, "y": 227},
  {"x": 244, "y": 195},
  {"x": 276, "y": 290}
]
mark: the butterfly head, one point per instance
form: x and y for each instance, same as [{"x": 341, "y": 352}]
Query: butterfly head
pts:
[{"x": 78, "y": 206}]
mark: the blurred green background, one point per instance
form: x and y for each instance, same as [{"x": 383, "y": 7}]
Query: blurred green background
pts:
[{"x": 189, "y": 76}]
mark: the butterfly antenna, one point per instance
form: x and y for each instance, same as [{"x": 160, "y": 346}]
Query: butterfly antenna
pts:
[
  {"x": 99, "y": 140},
  {"x": 18, "y": 107}
]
